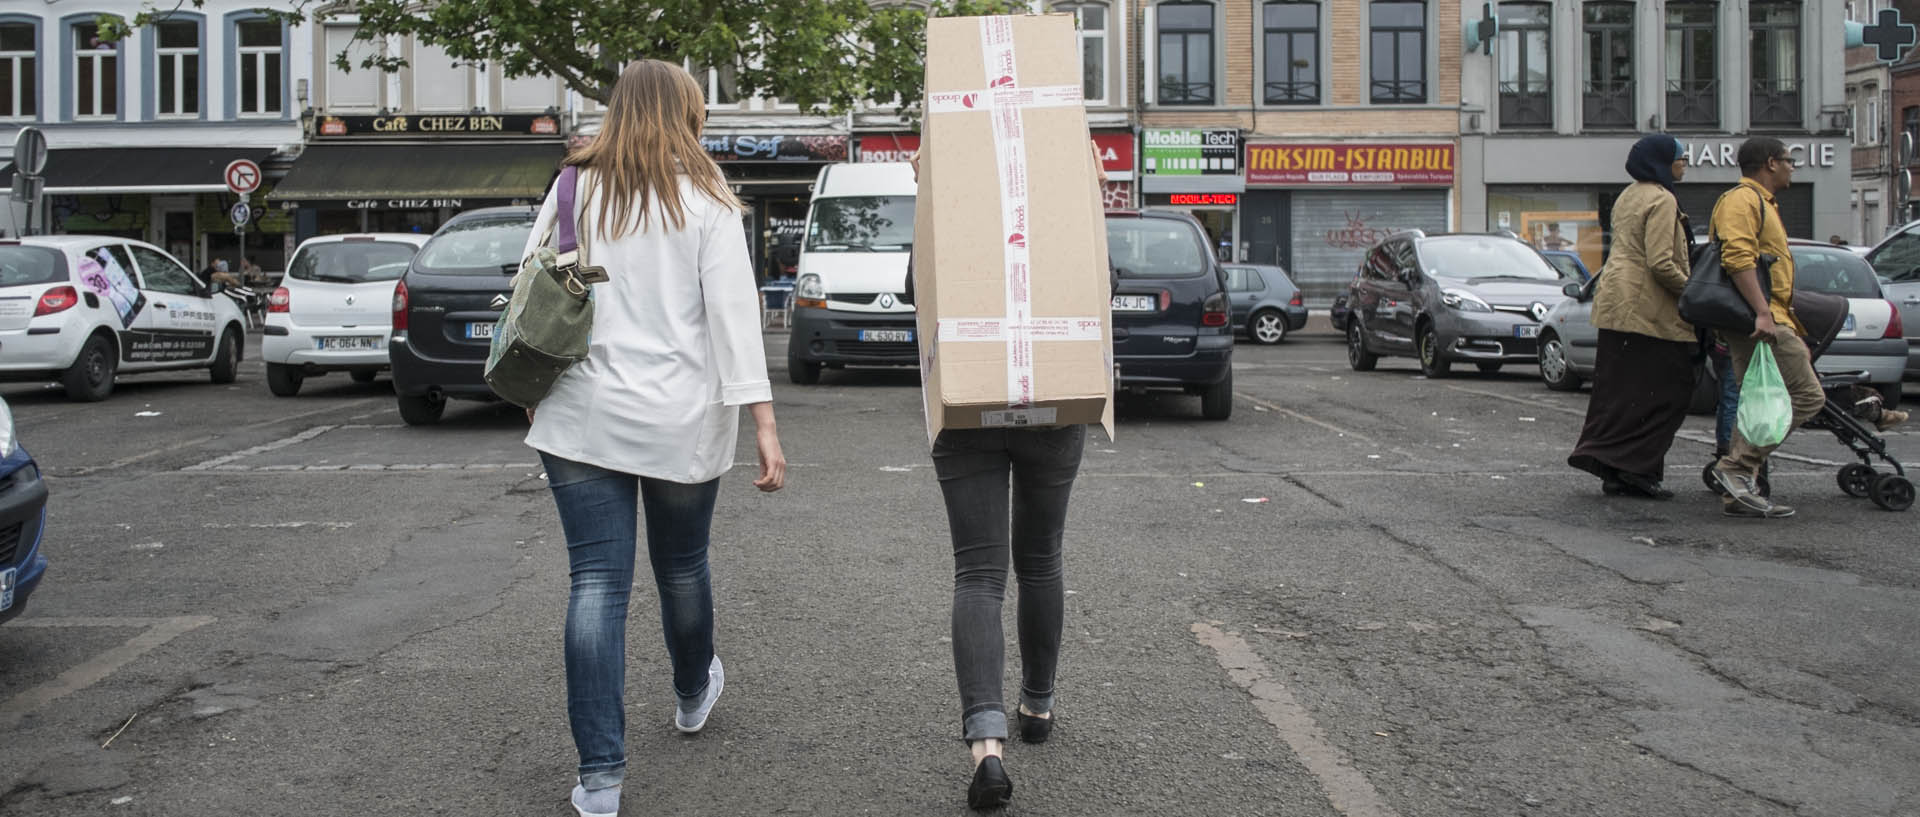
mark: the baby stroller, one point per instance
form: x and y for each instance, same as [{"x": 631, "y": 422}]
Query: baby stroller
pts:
[{"x": 1823, "y": 316}]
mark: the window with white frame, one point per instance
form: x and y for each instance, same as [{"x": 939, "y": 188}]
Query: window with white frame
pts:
[
  {"x": 96, "y": 74},
  {"x": 1869, "y": 124},
  {"x": 261, "y": 57},
  {"x": 19, "y": 77},
  {"x": 177, "y": 68},
  {"x": 440, "y": 84},
  {"x": 357, "y": 88},
  {"x": 529, "y": 93},
  {"x": 1092, "y": 18}
]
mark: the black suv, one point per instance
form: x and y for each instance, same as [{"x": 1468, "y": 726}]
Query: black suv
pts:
[
  {"x": 445, "y": 306},
  {"x": 1170, "y": 310}
]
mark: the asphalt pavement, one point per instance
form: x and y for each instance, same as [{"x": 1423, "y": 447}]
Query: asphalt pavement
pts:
[{"x": 1365, "y": 594}]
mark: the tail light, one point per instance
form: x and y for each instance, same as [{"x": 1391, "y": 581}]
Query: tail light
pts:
[
  {"x": 57, "y": 300},
  {"x": 1215, "y": 310},
  {"x": 400, "y": 307},
  {"x": 280, "y": 301},
  {"x": 1295, "y": 300},
  {"x": 1895, "y": 327}
]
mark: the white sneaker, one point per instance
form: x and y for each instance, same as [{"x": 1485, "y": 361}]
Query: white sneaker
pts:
[
  {"x": 692, "y": 722},
  {"x": 597, "y": 803}
]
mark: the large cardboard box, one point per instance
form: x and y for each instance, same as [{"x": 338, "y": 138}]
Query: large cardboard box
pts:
[{"x": 1010, "y": 239}]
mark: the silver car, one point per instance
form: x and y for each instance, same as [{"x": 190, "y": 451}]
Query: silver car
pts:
[
  {"x": 1897, "y": 260},
  {"x": 1264, "y": 302},
  {"x": 1442, "y": 299},
  {"x": 1568, "y": 339}
]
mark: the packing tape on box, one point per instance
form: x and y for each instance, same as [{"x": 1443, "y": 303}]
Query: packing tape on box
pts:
[{"x": 1002, "y": 100}]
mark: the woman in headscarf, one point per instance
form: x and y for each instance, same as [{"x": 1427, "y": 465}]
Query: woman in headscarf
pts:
[{"x": 1643, "y": 372}]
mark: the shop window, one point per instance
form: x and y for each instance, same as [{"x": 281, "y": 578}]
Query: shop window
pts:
[
  {"x": 1693, "y": 65},
  {"x": 1092, "y": 19},
  {"x": 177, "y": 68},
  {"x": 1526, "y": 65},
  {"x": 1607, "y": 92},
  {"x": 260, "y": 52},
  {"x": 530, "y": 93},
  {"x": 440, "y": 83},
  {"x": 96, "y": 74},
  {"x": 1398, "y": 52},
  {"x": 19, "y": 77},
  {"x": 355, "y": 87},
  {"x": 1776, "y": 64},
  {"x": 1292, "y": 53},
  {"x": 1186, "y": 53}
]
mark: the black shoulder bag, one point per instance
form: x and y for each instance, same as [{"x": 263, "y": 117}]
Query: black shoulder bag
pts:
[{"x": 1710, "y": 299}]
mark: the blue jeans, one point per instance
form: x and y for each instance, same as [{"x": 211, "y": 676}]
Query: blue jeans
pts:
[
  {"x": 598, "y": 513},
  {"x": 1729, "y": 405}
]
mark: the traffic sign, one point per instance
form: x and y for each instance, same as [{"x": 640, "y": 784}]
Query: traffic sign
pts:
[
  {"x": 30, "y": 151},
  {"x": 242, "y": 176},
  {"x": 241, "y": 214}
]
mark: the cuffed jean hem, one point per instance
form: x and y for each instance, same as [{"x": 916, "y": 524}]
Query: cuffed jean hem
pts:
[
  {"x": 1037, "y": 704},
  {"x": 604, "y": 778},
  {"x": 988, "y": 725}
]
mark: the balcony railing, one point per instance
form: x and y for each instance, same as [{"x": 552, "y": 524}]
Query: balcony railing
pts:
[
  {"x": 1293, "y": 93},
  {"x": 1523, "y": 107},
  {"x": 1776, "y": 102},
  {"x": 1608, "y": 105},
  {"x": 1399, "y": 92},
  {"x": 1185, "y": 93},
  {"x": 1693, "y": 103}
]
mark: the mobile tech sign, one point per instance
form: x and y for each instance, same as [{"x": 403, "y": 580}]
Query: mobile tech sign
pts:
[
  {"x": 1191, "y": 160},
  {"x": 1296, "y": 165}
]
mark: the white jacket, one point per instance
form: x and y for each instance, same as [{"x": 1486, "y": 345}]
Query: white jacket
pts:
[{"x": 675, "y": 351}]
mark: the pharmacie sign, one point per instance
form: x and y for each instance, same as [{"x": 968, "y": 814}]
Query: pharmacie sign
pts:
[
  {"x": 439, "y": 125},
  {"x": 1724, "y": 153},
  {"x": 1346, "y": 164},
  {"x": 1190, "y": 152}
]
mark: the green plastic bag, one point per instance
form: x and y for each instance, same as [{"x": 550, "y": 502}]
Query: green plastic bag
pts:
[{"x": 1766, "y": 412}]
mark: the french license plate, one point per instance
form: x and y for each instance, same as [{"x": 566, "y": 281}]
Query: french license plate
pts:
[
  {"x": 367, "y": 342},
  {"x": 886, "y": 335},
  {"x": 1133, "y": 303},
  {"x": 479, "y": 331},
  {"x": 6, "y": 588},
  {"x": 1527, "y": 330}
]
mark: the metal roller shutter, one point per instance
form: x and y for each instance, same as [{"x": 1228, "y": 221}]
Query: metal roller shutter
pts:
[
  {"x": 1796, "y": 206},
  {"x": 1333, "y": 229}
]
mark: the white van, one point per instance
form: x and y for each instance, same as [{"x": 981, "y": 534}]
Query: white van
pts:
[{"x": 847, "y": 305}]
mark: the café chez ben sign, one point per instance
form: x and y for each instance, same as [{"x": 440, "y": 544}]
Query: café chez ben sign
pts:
[{"x": 438, "y": 125}]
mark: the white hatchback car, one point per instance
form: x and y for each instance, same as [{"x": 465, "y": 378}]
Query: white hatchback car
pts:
[
  {"x": 334, "y": 309},
  {"x": 79, "y": 309}
]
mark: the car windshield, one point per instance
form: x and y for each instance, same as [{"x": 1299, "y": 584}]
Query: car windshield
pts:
[
  {"x": 1477, "y": 258},
  {"x": 351, "y": 262},
  {"x": 1155, "y": 248},
  {"x": 488, "y": 246},
  {"x": 1834, "y": 272},
  {"x": 861, "y": 224},
  {"x": 25, "y": 266}
]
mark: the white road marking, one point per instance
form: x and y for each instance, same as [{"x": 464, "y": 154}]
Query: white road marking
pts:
[
  {"x": 159, "y": 631},
  {"x": 283, "y": 442},
  {"x": 126, "y": 461},
  {"x": 1347, "y": 789},
  {"x": 1303, "y": 418},
  {"x": 1521, "y": 400}
]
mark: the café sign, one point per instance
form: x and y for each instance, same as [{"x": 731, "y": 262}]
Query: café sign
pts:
[
  {"x": 433, "y": 125},
  {"x": 1350, "y": 164}
]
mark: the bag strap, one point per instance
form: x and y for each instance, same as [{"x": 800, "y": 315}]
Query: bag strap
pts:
[{"x": 566, "y": 234}]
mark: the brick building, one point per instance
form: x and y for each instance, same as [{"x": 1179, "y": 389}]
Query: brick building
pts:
[
  {"x": 1904, "y": 115},
  {"x": 1871, "y": 122}
]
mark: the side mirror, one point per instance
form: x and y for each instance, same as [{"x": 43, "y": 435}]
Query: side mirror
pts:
[{"x": 1574, "y": 291}]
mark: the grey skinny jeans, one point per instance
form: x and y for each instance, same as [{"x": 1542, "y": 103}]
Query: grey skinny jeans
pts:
[{"x": 989, "y": 523}]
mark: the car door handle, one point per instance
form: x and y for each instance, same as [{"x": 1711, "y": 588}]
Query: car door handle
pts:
[
  {"x": 159, "y": 304},
  {"x": 1912, "y": 300}
]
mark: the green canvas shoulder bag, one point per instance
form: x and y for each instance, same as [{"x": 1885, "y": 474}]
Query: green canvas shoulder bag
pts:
[{"x": 549, "y": 319}]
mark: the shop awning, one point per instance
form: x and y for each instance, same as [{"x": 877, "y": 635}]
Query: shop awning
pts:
[
  {"x": 90, "y": 171},
  {"x": 441, "y": 175}
]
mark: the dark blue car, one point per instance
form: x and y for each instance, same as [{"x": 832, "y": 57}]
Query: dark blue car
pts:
[{"x": 23, "y": 511}]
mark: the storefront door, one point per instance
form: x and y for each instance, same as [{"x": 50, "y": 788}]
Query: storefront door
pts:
[{"x": 1263, "y": 228}]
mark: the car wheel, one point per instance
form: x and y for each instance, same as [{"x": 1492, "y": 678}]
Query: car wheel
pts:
[
  {"x": 1267, "y": 327},
  {"x": 1555, "y": 370},
  {"x": 1889, "y": 395},
  {"x": 284, "y": 380},
  {"x": 803, "y": 372},
  {"x": 90, "y": 378},
  {"x": 422, "y": 409},
  {"x": 226, "y": 361},
  {"x": 365, "y": 375},
  {"x": 1216, "y": 403},
  {"x": 1358, "y": 357},
  {"x": 1431, "y": 363}
]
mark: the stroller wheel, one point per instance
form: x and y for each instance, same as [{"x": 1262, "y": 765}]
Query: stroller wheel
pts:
[
  {"x": 1706, "y": 476},
  {"x": 1892, "y": 492},
  {"x": 1856, "y": 480}
]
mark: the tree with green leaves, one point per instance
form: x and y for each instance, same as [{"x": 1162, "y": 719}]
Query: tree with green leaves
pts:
[{"x": 826, "y": 56}]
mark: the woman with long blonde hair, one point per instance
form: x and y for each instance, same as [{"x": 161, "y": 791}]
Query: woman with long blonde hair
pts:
[{"x": 648, "y": 420}]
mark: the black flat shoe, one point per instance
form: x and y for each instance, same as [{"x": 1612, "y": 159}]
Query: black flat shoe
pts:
[
  {"x": 1614, "y": 487},
  {"x": 991, "y": 787},
  {"x": 1649, "y": 488},
  {"x": 1034, "y": 729}
]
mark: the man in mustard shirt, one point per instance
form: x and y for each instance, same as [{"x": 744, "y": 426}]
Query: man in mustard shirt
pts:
[{"x": 1747, "y": 222}]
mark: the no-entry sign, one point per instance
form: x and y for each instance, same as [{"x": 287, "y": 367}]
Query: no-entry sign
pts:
[{"x": 242, "y": 176}]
